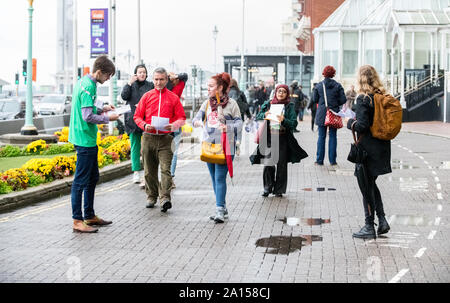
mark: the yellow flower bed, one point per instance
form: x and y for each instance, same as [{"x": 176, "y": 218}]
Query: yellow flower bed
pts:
[
  {"x": 108, "y": 140},
  {"x": 64, "y": 164},
  {"x": 45, "y": 167},
  {"x": 37, "y": 146},
  {"x": 16, "y": 178},
  {"x": 122, "y": 148}
]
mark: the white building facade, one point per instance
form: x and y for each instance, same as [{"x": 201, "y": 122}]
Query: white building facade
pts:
[{"x": 394, "y": 36}]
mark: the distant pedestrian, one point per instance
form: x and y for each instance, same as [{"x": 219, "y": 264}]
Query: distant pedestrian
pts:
[
  {"x": 261, "y": 96},
  {"x": 157, "y": 105},
  {"x": 351, "y": 96},
  {"x": 312, "y": 106},
  {"x": 86, "y": 113},
  {"x": 236, "y": 94},
  {"x": 335, "y": 98},
  {"x": 378, "y": 161},
  {"x": 298, "y": 98},
  {"x": 215, "y": 119},
  {"x": 176, "y": 84},
  {"x": 277, "y": 144},
  {"x": 251, "y": 98},
  {"x": 132, "y": 93}
]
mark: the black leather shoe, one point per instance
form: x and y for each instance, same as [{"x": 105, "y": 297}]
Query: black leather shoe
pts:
[
  {"x": 279, "y": 195},
  {"x": 265, "y": 194},
  {"x": 367, "y": 232},
  {"x": 167, "y": 205},
  {"x": 383, "y": 226}
]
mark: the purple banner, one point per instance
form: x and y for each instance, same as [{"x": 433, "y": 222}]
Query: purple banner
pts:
[{"x": 99, "y": 31}]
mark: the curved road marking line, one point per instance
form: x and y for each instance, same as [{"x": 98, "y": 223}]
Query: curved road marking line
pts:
[
  {"x": 432, "y": 234},
  {"x": 420, "y": 252},
  {"x": 398, "y": 276},
  {"x": 58, "y": 204}
]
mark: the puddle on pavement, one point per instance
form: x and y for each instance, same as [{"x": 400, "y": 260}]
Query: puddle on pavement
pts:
[
  {"x": 292, "y": 221},
  {"x": 400, "y": 164},
  {"x": 412, "y": 220},
  {"x": 319, "y": 189},
  {"x": 284, "y": 245}
]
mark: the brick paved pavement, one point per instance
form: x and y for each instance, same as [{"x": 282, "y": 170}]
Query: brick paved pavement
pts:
[{"x": 144, "y": 245}]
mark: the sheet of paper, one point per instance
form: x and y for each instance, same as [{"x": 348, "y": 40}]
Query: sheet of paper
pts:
[
  {"x": 275, "y": 110},
  {"x": 346, "y": 113},
  {"x": 159, "y": 122},
  {"x": 123, "y": 109}
]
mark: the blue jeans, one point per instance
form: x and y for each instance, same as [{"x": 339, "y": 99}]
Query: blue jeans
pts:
[
  {"x": 85, "y": 180},
  {"x": 176, "y": 140},
  {"x": 301, "y": 112},
  {"x": 218, "y": 174},
  {"x": 332, "y": 144}
]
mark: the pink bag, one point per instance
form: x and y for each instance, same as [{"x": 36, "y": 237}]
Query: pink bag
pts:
[{"x": 331, "y": 119}]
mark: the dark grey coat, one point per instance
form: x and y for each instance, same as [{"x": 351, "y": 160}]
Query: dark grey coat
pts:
[
  {"x": 336, "y": 98},
  {"x": 132, "y": 95},
  {"x": 379, "y": 151}
]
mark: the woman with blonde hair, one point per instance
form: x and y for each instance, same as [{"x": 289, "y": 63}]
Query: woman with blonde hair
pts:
[{"x": 378, "y": 160}]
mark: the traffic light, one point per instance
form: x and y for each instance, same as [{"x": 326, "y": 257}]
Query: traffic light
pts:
[
  {"x": 24, "y": 67},
  {"x": 118, "y": 74},
  {"x": 17, "y": 79},
  {"x": 34, "y": 62},
  {"x": 79, "y": 73}
]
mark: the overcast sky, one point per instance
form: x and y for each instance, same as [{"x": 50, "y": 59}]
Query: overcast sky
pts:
[{"x": 178, "y": 30}]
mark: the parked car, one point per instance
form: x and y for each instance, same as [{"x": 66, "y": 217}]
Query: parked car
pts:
[
  {"x": 54, "y": 105},
  {"x": 13, "y": 108}
]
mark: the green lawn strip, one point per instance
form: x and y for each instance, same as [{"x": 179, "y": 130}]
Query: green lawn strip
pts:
[{"x": 17, "y": 162}]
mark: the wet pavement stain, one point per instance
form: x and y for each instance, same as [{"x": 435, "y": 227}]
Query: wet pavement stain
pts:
[
  {"x": 411, "y": 220},
  {"x": 284, "y": 245},
  {"x": 319, "y": 189},
  {"x": 291, "y": 221},
  {"x": 400, "y": 164},
  {"x": 445, "y": 165}
]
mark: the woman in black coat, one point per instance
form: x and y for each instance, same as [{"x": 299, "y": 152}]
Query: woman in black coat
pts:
[
  {"x": 378, "y": 161},
  {"x": 336, "y": 98},
  {"x": 132, "y": 93}
]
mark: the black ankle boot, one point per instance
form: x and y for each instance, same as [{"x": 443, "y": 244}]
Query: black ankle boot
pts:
[
  {"x": 367, "y": 232},
  {"x": 383, "y": 226}
]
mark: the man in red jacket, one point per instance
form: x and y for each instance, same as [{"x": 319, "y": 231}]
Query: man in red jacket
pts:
[{"x": 157, "y": 104}]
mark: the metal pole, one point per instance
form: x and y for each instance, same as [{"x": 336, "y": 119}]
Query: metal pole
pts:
[
  {"x": 29, "y": 128},
  {"x": 241, "y": 74},
  {"x": 139, "y": 30},
  {"x": 111, "y": 55},
  {"x": 75, "y": 44}
]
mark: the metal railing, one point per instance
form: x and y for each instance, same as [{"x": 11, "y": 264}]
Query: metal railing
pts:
[{"x": 426, "y": 90}]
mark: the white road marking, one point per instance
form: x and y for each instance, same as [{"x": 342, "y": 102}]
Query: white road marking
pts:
[
  {"x": 439, "y": 207},
  {"x": 437, "y": 221},
  {"x": 438, "y": 186},
  {"x": 432, "y": 234},
  {"x": 399, "y": 275},
  {"x": 426, "y": 162},
  {"x": 436, "y": 179},
  {"x": 433, "y": 172},
  {"x": 420, "y": 252},
  {"x": 439, "y": 195}
]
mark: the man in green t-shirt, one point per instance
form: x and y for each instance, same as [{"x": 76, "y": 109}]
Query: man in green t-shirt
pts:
[{"x": 86, "y": 113}]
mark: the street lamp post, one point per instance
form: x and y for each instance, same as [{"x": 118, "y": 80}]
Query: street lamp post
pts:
[
  {"x": 139, "y": 30},
  {"x": 215, "y": 32},
  {"x": 75, "y": 45},
  {"x": 29, "y": 128},
  {"x": 241, "y": 74}
]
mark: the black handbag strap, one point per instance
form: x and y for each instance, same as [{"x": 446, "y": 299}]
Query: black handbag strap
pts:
[{"x": 354, "y": 135}]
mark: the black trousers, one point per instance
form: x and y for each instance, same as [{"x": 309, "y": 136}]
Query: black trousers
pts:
[
  {"x": 313, "y": 117},
  {"x": 275, "y": 174},
  {"x": 372, "y": 202}
]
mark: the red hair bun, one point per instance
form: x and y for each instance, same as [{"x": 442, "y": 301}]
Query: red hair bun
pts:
[{"x": 223, "y": 79}]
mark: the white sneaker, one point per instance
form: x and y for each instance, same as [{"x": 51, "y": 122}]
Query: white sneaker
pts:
[
  {"x": 136, "y": 177},
  {"x": 142, "y": 184}
]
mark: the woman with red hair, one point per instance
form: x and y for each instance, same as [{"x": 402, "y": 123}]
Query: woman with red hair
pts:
[
  {"x": 216, "y": 118},
  {"x": 335, "y": 98}
]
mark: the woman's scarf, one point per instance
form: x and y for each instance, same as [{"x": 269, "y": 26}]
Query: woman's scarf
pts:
[
  {"x": 223, "y": 102},
  {"x": 285, "y": 101}
]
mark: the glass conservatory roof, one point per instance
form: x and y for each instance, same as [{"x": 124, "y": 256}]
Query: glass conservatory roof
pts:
[{"x": 353, "y": 13}]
